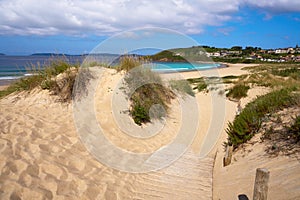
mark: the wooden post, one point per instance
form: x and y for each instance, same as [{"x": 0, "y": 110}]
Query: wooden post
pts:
[
  {"x": 261, "y": 184},
  {"x": 228, "y": 156}
]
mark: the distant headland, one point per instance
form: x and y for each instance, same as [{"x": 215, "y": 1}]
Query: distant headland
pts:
[
  {"x": 49, "y": 54},
  {"x": 235, "y": 54}
]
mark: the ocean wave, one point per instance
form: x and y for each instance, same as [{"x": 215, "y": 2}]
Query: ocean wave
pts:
[
  {"x": 4, "y": 76},
  {"x": 10, "y": 77}
]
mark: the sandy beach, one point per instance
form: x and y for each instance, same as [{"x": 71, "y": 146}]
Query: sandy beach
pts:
[
  {"x": 3, "y": 87},
  {"x": 232, "y": 69},
  {"x": 43, "y": 157}
]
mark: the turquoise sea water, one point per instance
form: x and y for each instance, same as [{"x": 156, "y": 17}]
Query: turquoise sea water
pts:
[
  {"x": 14, "y": 67},
  {"x": 180, "y": 66}
]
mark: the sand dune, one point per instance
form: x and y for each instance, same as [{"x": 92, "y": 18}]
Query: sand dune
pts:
[{"x": 42, "y": 156}]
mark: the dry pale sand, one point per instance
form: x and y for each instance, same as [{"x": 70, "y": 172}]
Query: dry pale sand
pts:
[
  {"x": 42, "y": 156},
  {"x": 238, "y": 178},
  {"x": 232, "y": 69}
]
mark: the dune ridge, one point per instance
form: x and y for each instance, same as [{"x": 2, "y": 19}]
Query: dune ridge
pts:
[{"x": 42, "y": 156}]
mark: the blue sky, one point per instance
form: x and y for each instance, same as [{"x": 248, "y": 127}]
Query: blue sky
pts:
[{"x": 77, "y": 26}]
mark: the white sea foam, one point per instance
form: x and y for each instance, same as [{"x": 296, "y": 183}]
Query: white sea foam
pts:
[{"x": 10, "y": 77}]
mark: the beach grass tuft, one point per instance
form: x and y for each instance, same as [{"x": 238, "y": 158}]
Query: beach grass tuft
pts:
[
  {"x": 145, "y": 89},
  {"x": 129, "y": 62},
  {"x": 238, "y": 91},
  {"x": 46, "y": 77},
  {"x": 201, "y": 87}
]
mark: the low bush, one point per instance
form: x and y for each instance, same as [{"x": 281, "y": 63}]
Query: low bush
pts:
[
  {"x": 238, "y": 91},
  {"x": 139, "y": 114},
  {"x": 202, "y": 87},
  {"x": 249, "y": 121},
  {"x": 144, "y": 89}
]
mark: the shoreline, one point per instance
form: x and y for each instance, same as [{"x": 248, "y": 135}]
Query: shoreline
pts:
[
  {"x": 4, "y": 84},
  {"x": 171, "y": 71},
  {"x": 231, "y": 69}
]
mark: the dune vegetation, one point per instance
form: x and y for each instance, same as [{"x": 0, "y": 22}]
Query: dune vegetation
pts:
[
  {"x": 285, "y": 83},
  {"x": 238, "y": 91},
  {"x": 145, "y": 89},
  {"x": 282, "y": 79},
  {"x": 58, "y": 76},
  {"x": 250, "y": 119}
]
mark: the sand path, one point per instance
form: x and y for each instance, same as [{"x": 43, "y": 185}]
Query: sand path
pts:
[
  {"x": 42, "y": 156},
  {"x": 238, "y": 178}
]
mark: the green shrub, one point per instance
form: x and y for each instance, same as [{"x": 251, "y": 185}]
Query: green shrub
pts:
[
  {"x": 202, "y": 87},
  {"x": 238, "y": 91},
  {"x": 249, "y": 121},
  {"x": 146, "y": 96},
  {"x": 145, "y": 89},
  {"x": 139, "y": 114}
]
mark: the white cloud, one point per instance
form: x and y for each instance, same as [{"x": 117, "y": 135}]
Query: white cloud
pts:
[
  {"x": 275, "y": 6},
  {"x": 103, "y": 17}
]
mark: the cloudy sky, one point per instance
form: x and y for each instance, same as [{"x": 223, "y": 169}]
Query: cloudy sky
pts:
[{"x": 77, "y": 26}]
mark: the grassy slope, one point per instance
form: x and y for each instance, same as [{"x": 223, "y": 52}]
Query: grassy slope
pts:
[{"x": 285, "y": 82}]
